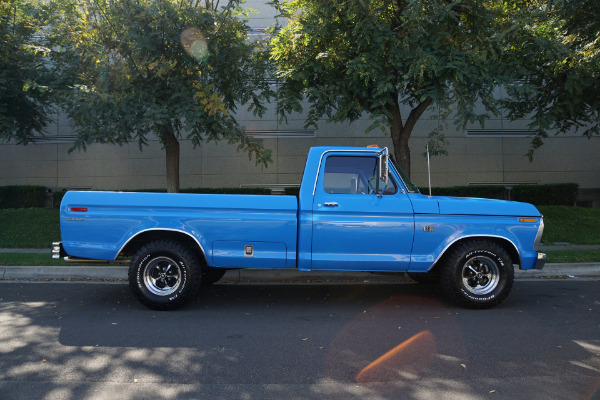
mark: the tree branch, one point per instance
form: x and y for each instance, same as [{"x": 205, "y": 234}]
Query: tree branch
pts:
[{"x": 416, "y": 113}]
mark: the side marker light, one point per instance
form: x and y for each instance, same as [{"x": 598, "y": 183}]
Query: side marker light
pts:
[{"x": 528, "y": 220}]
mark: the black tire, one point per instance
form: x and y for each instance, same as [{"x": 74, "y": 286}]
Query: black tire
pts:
[
  {"x": 212, "y": 275},
  {"x": 477, "y": 274},
  {"x": 426, "y": 278},
  {"x": 163, "y": 275}
]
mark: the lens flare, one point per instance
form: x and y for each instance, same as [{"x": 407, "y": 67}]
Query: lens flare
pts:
[
  {"x": 407, "y": 360},
  {"x": 194, "y": 43}
]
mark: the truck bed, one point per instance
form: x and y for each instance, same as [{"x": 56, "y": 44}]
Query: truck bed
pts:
[{"x": 249, "y": 231}]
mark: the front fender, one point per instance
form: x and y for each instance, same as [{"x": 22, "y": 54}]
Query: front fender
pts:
[{"x": 435, "y": 234}]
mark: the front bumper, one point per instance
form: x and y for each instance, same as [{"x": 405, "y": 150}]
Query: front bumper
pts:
[
  {"x": 541, "y": 257},
  {"x": 541, "y": 261}
]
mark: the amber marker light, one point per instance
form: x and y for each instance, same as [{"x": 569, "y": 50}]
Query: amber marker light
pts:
[
  {"x": 528, "y": 220},
  {"x": 406, "y": 360}
]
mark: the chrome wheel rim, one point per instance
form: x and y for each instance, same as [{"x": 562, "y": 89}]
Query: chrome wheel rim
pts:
[
  {"x": 162, "y": 276},
  {"x": 480, "y": 275}
]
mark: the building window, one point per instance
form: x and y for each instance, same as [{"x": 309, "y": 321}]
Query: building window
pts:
[
  {"x": 499, "y": 133},
  {"x": 280, "y": 133}
]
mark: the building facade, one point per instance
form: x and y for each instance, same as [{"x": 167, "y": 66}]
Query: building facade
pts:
[{"x": 493, "y": 155}]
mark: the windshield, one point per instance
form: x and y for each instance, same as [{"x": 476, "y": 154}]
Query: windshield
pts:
[{"x": 411, "y": 187}]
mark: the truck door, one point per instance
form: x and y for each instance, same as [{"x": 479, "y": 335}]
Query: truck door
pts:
[{"x": 354, "y": 228}]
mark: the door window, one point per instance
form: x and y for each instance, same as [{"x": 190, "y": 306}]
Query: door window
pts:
[{"x": 353, "y": 175}]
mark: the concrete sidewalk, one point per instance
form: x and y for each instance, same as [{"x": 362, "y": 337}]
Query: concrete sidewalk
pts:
[{"x": 249, "y": 276}]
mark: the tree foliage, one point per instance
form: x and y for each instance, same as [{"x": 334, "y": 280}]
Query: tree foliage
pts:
[
  {"x": 371, "y": 56},
  {"x": 355, "y": 57},
  {"x": 174, "y": 69},
  {"x": 25, "y": 78},
  {"x": 557, "y": 68}
]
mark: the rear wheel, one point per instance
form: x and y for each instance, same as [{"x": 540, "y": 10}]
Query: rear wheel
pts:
[
  {"x": 477, "y": 274},
  {"x": 163, "y": 275}
]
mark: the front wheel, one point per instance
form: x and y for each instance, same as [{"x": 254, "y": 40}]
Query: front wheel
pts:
[
  {"x": 477, "y": 274},
  {"x": 163, "y": 275}
]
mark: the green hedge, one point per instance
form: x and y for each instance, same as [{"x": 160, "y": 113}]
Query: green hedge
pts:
[
  {"x": 559, "y": 194},
  {"x": 551, "y": 194},
  {"x": 540, "y": 195},
  {"x": 57, "y": 198},
  {"x": 292, "y": 191},
  {"x": 26, "y": 196}
]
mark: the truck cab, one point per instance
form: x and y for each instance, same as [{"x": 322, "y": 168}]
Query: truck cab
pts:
[{"x": 355, "y": 215}]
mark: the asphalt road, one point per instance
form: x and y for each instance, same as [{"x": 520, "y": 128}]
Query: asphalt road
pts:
[{"x": 374, "y": 341}]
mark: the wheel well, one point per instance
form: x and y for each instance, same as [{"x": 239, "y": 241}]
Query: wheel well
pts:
[
  {"x": 141, "y": 239},
  {"x": 504, "y": 243}
]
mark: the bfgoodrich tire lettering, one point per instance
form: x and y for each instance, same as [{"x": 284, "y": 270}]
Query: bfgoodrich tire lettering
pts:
[
  {"x": 477, "y": 274},
  {"x": 163, "y": 275}
]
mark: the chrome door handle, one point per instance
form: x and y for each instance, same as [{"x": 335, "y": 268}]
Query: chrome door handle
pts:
[{"x": 331, "y": 204}]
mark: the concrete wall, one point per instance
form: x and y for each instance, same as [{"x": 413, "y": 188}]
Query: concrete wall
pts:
[{"x": 470, "y": 160}]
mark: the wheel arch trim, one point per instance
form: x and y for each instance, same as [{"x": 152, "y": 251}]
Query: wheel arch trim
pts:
[
  {"x": 513, "y": 252},
  {"x": 189, "y": 235}
]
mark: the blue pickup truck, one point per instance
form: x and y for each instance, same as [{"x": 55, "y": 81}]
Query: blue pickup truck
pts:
[{"x": 356, "y": 211}]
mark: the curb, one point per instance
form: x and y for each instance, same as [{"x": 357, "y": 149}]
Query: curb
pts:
[
  {"x": 565, "y": 270},
  {"x": 281, "y": 276},
  {"x": 64, "y": 272}
]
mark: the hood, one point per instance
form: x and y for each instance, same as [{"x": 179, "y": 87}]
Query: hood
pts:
[
  {"x": 470, "y": 206},
  {"x": 475, "y": 206}
]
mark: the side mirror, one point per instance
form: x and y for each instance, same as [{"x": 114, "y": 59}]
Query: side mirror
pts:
[{"x": 383, "y": 170}]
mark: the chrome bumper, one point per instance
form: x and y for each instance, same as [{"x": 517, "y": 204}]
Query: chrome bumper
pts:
[
  {"x": 541, "y": 257},
  {"x": 541, "y": 261},
  {"x": 57, "y": 250}
]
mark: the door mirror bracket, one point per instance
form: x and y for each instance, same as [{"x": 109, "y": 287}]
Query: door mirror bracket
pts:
[{"x": 383, "y": 171}]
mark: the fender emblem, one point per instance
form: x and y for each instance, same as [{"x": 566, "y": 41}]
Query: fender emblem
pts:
[{"x": 428, "y": 228}]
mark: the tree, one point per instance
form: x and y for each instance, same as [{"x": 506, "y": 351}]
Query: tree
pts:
[
  {"x": 557, "y": 68},
  {"x": 25, "y": 102},
  {"x": 372, "y": 56},
  {"x": 174, "y": 69}
]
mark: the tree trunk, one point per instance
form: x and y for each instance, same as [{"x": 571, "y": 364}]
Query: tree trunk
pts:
[
  {"x": 400, "y": 138},
  {"x": 400, "y": 132},
  {"x": 172, "y": 159}
]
